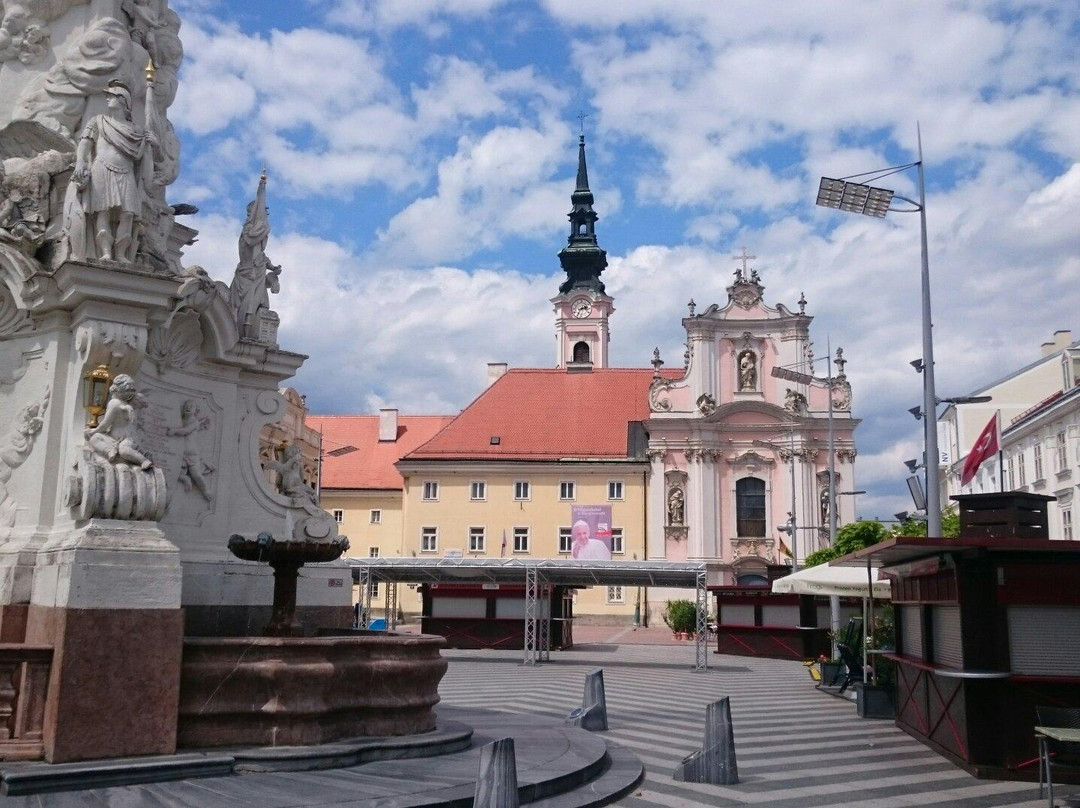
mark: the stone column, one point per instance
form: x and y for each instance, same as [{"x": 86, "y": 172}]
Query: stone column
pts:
[
  {"x": 655, "y": 540},
  {"x": 710, "y": 504},
  {"x": 695, "y": 497}
]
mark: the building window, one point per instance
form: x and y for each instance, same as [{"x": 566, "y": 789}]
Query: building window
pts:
[
  {"x": 1038, "y": 462},
  {"x": 581, "y": 352},
  {"x": 1021, "y": 471},
  {"x": 617, "y": 541},
  {"x": 750, "y": 507},
  {"x": 431, "y": 490},
  {"x": 339, "y": 515},
  {"x": 615, "y": 594},
  {"x": 1066, "y": 524},
  {"x": 567, "y": 489},
  {"x": 429, "y": 539},
  {"x": 373, "y": 552},
  {"x": 477, "y": 490},
  {"x": 476, "y": 539},
  {"x": 521, "y": 489},
  {"x": 566, "y": 538},
  {"x": 521, "y": 540},
  {"x": 1010, "y": 475},
  {"x": 376, "y": 516},
  {"x": 1062, "y": 462},
  {"x": 614, "y": 489}
]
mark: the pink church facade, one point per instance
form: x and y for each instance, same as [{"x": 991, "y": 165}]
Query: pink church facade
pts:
[{"x": 726, "y": 440}]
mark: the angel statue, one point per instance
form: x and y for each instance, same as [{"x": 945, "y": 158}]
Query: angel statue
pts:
[{"x": 114, "y": 438}]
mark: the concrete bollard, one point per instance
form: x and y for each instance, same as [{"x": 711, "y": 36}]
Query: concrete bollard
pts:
[
  {"x": 715, "y": 762},
  {"x": 496, "y": 780},
  {"x": 592, "y": 714}
]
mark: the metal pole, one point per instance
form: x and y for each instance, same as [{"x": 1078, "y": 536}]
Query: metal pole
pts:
[
  {"x": 933, "y": 456},
  {"x": 701, "y": 636},
  {"x": 530, "y": 615},
  {"x": 834, "y": 601}
]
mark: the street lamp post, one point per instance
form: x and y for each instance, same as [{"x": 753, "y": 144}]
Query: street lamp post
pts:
[
  {"x": 857, "y": 197},
  {"x": 792, "y": 524}
]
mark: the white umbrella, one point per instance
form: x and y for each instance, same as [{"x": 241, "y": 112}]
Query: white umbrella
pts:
[{"x": 849, "y": 582}]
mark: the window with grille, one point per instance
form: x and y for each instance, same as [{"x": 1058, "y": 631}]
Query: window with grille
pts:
[
  {"x": 521, "y": 489},
  {"x": 431, "y": 490},
  {"x": 615, "y": 594},
  {"x": 476, "y": 539},
  {"x": 376, "y": 516},
  {"x": 1038, "y": 461},
  {"x": 477, "y": 490},
  {"x": 566, "y": 538},
  {"x": 617, "y": 541},
  {"x": 429, "y": 539},
  {"x": 521, "y": 540},
  {"x": 566, "y": 489},
  {"x": 614, "y": 489},
  {"x": 339, "y": 515},
  {"x": 750, "y": 507}
]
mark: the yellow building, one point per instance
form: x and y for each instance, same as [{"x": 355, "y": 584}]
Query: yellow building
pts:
[
  {"x": 360, "y": 485},
  {"x": 502, "y": 479}
]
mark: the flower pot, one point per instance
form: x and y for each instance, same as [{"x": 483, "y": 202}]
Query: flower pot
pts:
[
  {"x": 874, "y": 701},
  {"x": 831, "y": 672}
]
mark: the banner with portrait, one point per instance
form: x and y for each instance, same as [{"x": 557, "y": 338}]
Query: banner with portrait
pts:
[{"x": 590, "y": 532}]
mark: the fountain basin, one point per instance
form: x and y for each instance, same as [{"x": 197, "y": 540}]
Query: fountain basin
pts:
[{"x": 296, "y": 691}]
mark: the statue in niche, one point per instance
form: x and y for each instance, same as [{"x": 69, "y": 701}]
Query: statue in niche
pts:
[
  {"x": 193, "y": 469},
  {"x": 114, "y": 439},
  {"x": 16, "y": 448},
  {"x": 256, "y": 275},
  {"x": 290, "y": 471},
  {"x": 676, "y": 507},
  {"x": 114, "y": 168},
  {"x": 825, "y": 509},
  {"x": 747, "y": 370}
]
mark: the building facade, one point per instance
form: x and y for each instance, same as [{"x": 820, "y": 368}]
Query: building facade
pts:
[{"x": 1040, "y": 434}]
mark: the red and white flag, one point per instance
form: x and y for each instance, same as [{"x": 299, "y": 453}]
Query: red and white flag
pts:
[{"x": 987, "y": 445}]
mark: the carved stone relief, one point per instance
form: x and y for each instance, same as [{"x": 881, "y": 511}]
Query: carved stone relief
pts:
[
  {"x": 14, "y": 449},
  {"x": 177, "y": 341},
  {"x": 658, "y": 402},
  {"x": 795, "y": 402},
  {"x": 706, "y": 404}
]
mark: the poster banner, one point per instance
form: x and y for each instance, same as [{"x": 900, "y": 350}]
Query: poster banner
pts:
[{"x": 591, "y": 532}]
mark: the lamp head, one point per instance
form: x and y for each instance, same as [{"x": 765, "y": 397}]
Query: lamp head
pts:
[{"x": 917, "y": 412}]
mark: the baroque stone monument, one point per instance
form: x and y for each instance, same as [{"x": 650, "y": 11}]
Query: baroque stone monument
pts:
[{"x": 132, "y": 390}]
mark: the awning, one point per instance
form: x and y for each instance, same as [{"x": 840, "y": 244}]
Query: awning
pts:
[{"x": 850, "y": 582}]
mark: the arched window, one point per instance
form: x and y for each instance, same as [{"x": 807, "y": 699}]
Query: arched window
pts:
[
  {"x": 750, "y": 507},
  {"x": 752, "y": 580},
  {"x": 581, "y": 352}
]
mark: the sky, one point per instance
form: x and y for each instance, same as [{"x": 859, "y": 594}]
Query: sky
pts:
[{"x": 421, "y": 154}]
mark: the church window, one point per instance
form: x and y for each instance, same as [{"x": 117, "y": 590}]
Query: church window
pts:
[
  {"x": 477, "y": 490},
  {"x": 750, "y": 507},
  {"x": 431, "y": 490},
  {"x": 429, "y": 539},
  {"x": 566, "y": 538},
  {"x": 614, "y": 489},
  {"x": 521, "y": 489},
  {"x": 581, "y": 352},
  {"x": 476, "y": 539},
  {"x": 566, "y": 489}
]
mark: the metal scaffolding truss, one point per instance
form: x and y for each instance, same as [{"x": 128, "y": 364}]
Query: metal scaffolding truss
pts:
[{"x": 538, "y": 577}]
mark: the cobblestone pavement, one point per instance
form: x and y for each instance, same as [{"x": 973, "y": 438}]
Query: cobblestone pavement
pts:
[{"x": 796, "y": 746}]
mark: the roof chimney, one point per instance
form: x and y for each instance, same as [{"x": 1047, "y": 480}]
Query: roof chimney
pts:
[
  {"x": 496, "y": 370},
  {"x": 388, "y": 424},
  {"x": 1062, "y": 340}
]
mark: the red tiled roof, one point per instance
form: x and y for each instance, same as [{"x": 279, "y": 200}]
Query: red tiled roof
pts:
[
  {"x": 373, "y": 465},
  {"x": 547, "y": 415}
]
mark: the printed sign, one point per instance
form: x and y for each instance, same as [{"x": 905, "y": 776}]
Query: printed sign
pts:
[{"x": 590, "y": 532}]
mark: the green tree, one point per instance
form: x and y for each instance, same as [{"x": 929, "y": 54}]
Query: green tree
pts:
[
  {"x": 849, "y": 538},
  {"x": 950, "y": 525}
]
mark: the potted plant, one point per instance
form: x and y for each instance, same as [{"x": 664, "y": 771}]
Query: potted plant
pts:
[
  {"x": 681, "y": 617},
  {"x": 831, "y": 669},
  {"x": 877, "y": 698}
]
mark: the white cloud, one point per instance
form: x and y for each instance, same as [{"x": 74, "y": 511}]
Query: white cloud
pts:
[{"x": 386, "y": 15}]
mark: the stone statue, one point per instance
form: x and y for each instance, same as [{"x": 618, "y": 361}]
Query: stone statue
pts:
[
  {"x": 825, "y": 506},
  {"x": 193, "y": 469},
  {"x": 113, "y": 171},
  {"x": 115, "y": 438},
  {"x": 747, "y": 370},
  {"x": 290, "y": 471},
  {"x": 675, "y": 507},
  {"x": 16, "y": 448},
  {"x": 147, "y": 21},
  {"x": 795, "y": 402},
  {"x": 256, "y": 275}
]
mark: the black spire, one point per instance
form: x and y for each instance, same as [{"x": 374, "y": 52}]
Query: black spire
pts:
[{"x": 581, "y": 258}]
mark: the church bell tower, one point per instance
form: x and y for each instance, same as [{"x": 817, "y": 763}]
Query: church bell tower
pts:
[{"x": 582, "y": 308}]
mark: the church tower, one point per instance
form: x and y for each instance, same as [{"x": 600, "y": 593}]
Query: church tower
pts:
[{"x": 581, "y": 307}]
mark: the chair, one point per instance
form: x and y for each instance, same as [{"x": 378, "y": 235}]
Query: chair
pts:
[
  {"x": 1062, "y": 754},
  {"x": 852, "y": 663}
]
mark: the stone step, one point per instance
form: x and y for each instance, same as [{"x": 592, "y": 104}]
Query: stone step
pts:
[{"x": 44, "y": 778}]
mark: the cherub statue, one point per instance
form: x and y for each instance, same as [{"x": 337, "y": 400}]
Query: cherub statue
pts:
[
  {"x": 193, "y": 469},
  {"x": 114, "y": 438},
  {"x": 290, "y": 474}
]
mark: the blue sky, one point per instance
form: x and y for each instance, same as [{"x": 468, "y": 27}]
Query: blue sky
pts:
[{"x": 421, "y": 154}]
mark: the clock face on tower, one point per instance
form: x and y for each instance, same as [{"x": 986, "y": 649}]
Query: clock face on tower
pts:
[{"x": 582, "y": 308}]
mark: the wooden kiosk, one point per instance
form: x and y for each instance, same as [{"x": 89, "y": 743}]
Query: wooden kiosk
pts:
[
  {"x": 472, "y": 615},
  {"x": 987, "y": 627}
]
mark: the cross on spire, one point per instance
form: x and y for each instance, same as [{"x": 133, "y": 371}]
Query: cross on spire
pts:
[
  {"x": 745, "y": 258},
  {"x": 581, "y": 116}
]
